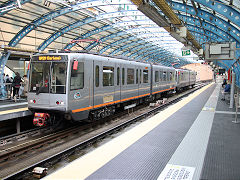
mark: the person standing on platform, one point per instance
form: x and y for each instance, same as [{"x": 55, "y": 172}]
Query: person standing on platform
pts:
[
  {"x": 224, "y": 82},
  {"x": 16, "y": 85},
  {"x": 25, "y": 85},
  {"x": 4, "y": 78}
]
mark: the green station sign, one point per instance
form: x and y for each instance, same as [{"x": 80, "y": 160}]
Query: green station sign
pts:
[{"x": 186, "y": 52}]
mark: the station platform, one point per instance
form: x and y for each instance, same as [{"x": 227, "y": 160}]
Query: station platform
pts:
[
  {"x": 9, "y": 109},
  {"x": 192, "y": 139}
]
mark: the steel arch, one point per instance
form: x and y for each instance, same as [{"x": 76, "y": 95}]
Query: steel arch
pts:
[
  {"x": 11, "y": 4},
  {"x": 95, "y": 31},
  {"x": 58, "y": 12},
  {"x": 88, "y": 20},
  {"x": 208, "y": 26},
  {"x": 221, "y": 23}
]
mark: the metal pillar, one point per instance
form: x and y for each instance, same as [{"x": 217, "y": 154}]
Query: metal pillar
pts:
[
  {"x": 232, "y": 90},
  {"x": 236, "y": 97},
  {"x": 18, "y": 126},
  {"x": 3, "y": 61}
]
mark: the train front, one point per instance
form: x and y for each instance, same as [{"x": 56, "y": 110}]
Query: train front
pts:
[{"x": 47, "y": 97}]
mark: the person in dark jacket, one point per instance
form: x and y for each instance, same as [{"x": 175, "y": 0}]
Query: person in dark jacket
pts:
[
  {"x": 16, "y": 84},
  {"x": 224, "y": 82},
  {"x": 226, "y": 90}
]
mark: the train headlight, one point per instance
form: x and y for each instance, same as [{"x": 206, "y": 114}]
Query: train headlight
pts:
[
  {"x": 59, "y": 102},
  {"x": 32, "y": 101}
]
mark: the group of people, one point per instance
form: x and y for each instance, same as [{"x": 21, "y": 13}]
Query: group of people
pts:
[
  {"x": 16, "y": 86},
  {"x": 7, "y": 79}
]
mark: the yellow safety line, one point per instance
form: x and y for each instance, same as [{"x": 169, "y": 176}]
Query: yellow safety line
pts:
[
  {"x": 13, "y": 111},
  {"x": 89, "y": 163}
]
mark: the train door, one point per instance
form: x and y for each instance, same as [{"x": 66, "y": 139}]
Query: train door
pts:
[
  {"x": 144, "y": 88},
  {"x": 97, "y": 83},
  {"x": 81, "y": 85},
  {"x": 108, "y": 73},
  {"x": 137, "y": 79},
  {"x": 141, "y": 89},
  {"x": 117, "y": 82},
  {"x": 176, "y": 77}
]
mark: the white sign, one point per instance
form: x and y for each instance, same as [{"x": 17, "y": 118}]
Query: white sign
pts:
[
  {"x": 208, "y": 109},
  {"x": 176, "y": 172}
]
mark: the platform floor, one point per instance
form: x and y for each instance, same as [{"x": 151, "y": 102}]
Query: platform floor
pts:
[
  {"x": 9, "y": 109},
  {"x": 193, "y": 139}
]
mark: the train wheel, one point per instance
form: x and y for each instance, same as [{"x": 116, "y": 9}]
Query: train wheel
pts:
[{"x": 103, "y": 114}]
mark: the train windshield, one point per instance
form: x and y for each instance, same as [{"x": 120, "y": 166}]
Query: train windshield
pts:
[{"x": 48, "y": 77}]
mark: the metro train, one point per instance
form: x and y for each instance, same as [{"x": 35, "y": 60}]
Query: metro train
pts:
[{"x": 82, "y": 86}]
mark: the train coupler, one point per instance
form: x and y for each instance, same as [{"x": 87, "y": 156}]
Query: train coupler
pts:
[{"x": 41, "y": 119}]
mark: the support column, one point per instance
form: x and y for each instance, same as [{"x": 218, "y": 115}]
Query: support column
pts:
[
  {"x": 18, "y": 126},
  {"x": 3, "y": 61},
  {"x": 232, "y": 90}
]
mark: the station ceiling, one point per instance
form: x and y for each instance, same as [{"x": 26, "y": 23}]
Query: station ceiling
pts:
[{"x": 140, "y": 29}]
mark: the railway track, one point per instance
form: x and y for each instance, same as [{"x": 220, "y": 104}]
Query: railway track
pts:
[
  {"x": 13, "y": 138},
  {"x": 66, "y": 142}
]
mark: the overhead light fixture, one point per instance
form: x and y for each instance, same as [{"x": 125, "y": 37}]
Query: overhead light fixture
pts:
[{"x": 152, "y": 13}]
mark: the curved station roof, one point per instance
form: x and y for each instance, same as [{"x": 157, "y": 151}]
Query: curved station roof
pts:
[{"x": 148, "y": 30}]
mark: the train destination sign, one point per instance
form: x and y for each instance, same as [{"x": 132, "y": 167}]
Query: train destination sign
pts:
[{"x": 49, "y": 58}]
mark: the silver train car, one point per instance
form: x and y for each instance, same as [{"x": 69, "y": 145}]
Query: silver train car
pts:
[{"x": 83, "y": 86}]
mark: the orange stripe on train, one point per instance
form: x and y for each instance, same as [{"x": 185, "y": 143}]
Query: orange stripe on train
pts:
[{"x": 113, "y": 102}]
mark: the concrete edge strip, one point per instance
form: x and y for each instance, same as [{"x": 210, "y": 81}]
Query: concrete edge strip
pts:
[
  {"x": 187, "y": 161},
  {"x": 11, "y": 105}
]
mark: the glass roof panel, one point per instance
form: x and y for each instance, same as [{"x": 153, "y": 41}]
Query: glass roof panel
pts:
[
  {"x": 130, "y": 24},
  {"x": 236, "y": 3}
]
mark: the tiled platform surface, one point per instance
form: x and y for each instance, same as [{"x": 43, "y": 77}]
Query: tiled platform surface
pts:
[{"x": 222, "y": 159}]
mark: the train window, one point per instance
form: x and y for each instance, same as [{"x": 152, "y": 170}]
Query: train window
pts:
[
  {"x": 77, "y": 77},
  {"x": 108, "y": 76},
  {"x": 58, "y": 83},
  {"x": 140, "y": 76},
  {"x": 130, "y": 76},
  {"x": 156, "y": 76},
  {"x": 40, "y": 74},
  {"x": 97, "y": 76},
  {"x": 145, "y": 76},
  {"x": 118, "y": 76},
  {"x": 137, "y": 76},
  {"x": 123, "y": 76},
  {"x": 164, "y": 76}
]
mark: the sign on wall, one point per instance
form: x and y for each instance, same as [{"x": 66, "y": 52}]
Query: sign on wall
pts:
[
  {"x": 186, "y": 52},
  {"x": 220, "y": 51}
]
